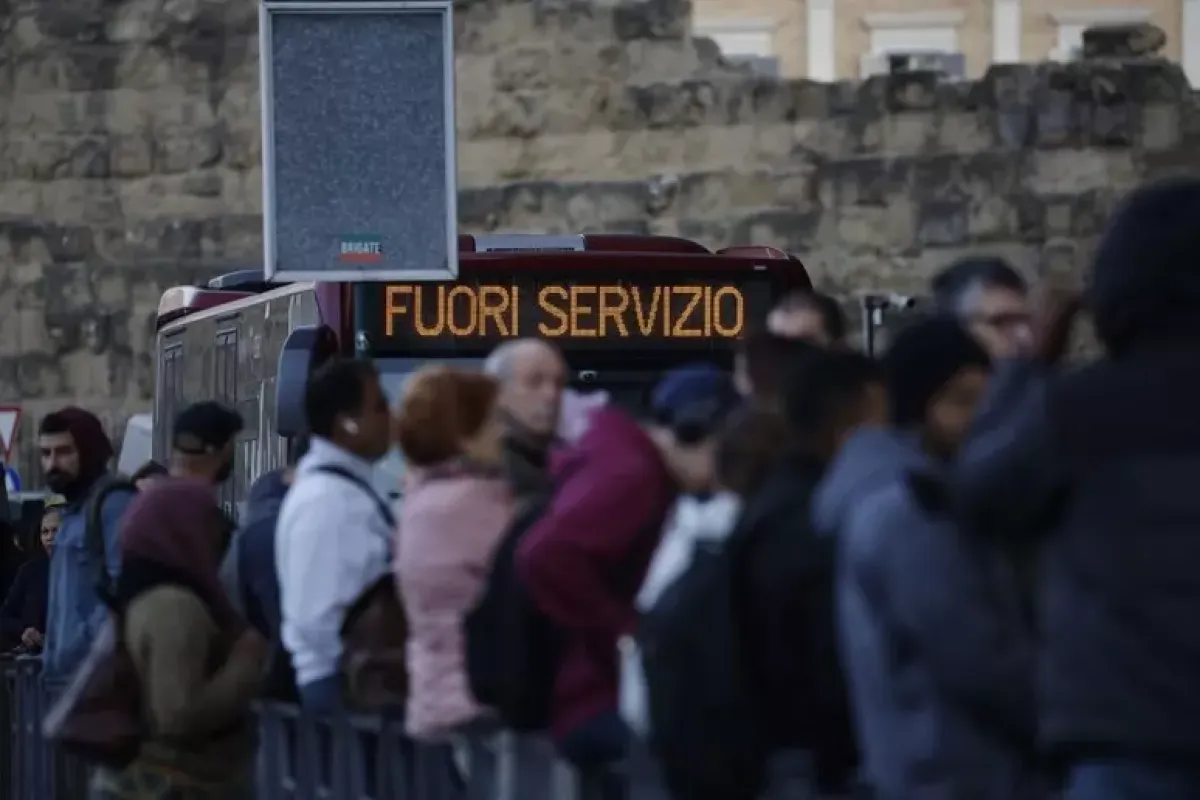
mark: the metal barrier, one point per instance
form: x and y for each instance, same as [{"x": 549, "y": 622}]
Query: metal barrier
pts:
[
  {"x": 306, "y": 758},
  {"x": 32, "y": 767},
  {"x": 302, "y": 757}
]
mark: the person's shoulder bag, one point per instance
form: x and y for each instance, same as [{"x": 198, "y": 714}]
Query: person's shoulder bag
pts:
[{"x": 374, "y": 630}]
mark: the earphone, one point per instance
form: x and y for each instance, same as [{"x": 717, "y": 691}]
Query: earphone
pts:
[{"x": 350, "y": 427}]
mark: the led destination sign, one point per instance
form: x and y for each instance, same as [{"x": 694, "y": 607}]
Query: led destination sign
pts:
[{"x": 679, "y": 311}]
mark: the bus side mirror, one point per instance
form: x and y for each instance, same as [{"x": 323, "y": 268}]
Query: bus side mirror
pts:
[{"x": 306, "y": 348}]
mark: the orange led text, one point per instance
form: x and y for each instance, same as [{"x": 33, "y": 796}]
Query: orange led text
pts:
[{"x": 669, "y": 311}]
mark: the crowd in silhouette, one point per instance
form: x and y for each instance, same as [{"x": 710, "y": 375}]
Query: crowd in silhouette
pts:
[{"x": 967, "y": 569}]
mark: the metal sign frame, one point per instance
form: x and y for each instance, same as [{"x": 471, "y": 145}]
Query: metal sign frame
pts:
[{"x": 266, "y": 10}]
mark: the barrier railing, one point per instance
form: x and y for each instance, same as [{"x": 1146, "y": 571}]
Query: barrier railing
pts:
[
  {"x": 302, "y": 757},
  {"x": 32, "y": 767}
]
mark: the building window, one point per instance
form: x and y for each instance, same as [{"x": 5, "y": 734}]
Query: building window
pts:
[
  {"x": 1072, "y": 23},
  {"x": 933, "y": 34},
  {"x": 750, "y": 42}
]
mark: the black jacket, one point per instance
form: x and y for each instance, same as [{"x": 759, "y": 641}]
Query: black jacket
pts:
[
  {"x": 527, "y": 469},
  {"x": 784, "y": 600},
  {"x": 25, "y": 605},
  {"x": 1104, "y": 465}
]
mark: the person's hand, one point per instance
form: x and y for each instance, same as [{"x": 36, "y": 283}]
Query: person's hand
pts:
[
  {"x": 32, "y": 639},
  {"x": 1052, "y": 327},
  {"x": 251, "y": 646}
]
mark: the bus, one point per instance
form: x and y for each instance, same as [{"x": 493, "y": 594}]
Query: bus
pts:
[{"x": 622, "y": 308}]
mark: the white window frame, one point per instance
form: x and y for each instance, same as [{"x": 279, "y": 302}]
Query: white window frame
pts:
[
  {"x": 935, "y": 31},
  {"x": 1189, "y": 38},
  {"x": 822, "y": 40},
  {"x": 1071, "y": 23},
  {"x": 753, "y": 38}
]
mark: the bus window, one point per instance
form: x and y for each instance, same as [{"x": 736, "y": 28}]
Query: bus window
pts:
[
  {"x": 170, "y": 389},
  {"x": 225, "y": 390}
]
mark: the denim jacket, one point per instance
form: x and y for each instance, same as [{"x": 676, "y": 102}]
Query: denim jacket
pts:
[{"x": 75, "y": 613}]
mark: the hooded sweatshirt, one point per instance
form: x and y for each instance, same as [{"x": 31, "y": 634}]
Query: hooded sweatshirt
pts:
[
  {"x": 931, "y": 634},
  {"x": 872, "y": 459},
  {"x": 179, "y": 627}
]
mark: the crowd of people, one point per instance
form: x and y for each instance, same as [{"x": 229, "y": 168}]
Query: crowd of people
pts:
[{"x": 959, "y": 571}]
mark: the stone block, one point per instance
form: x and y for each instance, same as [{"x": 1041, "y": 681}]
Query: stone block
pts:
[
  {"x": 183, "y": 150},
  {"x": 942, "y": 223},
  {"x": 869, "y": 181},
  {"x": 1075, "y": 172},
  {"x": 1122, "y": 41},
  {"x": 651, "y": 19},
  {"x": 888, "y": 228},
  {"x": 787, "y": 230},
  {"x": 910, "y": 91}
]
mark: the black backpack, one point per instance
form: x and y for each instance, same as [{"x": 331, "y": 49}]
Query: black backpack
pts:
[
  {"x": 512, "y": 648},
  {"x": 93, "y": 532},
  {"x": 704, "y": 724}
]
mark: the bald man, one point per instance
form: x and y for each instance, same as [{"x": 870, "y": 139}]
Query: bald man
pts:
[{"x": 532, "y": 374}]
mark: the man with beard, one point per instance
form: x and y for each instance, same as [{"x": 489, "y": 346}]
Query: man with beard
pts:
[
  {"x": 75, "y": 452},
  {"x": 532, "y": 374}
]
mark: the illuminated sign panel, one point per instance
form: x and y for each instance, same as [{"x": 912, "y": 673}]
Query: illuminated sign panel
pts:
[{"x": 675, "y": 311}]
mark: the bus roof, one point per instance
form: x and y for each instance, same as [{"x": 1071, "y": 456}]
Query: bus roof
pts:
[{"x": 514, "y": 252}]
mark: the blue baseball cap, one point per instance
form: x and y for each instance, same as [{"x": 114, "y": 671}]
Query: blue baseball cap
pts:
[{"x": 694, "y": 400}]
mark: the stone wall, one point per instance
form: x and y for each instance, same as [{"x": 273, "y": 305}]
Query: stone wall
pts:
[{"x": 129, "y": 156}]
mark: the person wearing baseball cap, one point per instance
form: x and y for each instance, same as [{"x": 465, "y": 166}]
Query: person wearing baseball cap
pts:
[
  {"x": 616, "y": 488},
  {"x": 202, "y": 442}
]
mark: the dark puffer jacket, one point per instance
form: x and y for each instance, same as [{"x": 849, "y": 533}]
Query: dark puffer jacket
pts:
[
  {"x": 931, "y": 634},
  {"x": 1104, "y": 463}
]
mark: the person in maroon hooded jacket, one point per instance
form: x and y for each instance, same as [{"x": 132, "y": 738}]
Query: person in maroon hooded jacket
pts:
[{"x": 584, "y": 560}]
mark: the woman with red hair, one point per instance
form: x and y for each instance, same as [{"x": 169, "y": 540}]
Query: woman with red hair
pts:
[{"x": 456, "y": 509}]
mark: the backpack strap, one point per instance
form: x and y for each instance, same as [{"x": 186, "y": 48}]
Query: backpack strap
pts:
[
  {"x": 93, "y": 532},
  {"x": 231, "y": 573},
  {"x": 345, "y": 474}
]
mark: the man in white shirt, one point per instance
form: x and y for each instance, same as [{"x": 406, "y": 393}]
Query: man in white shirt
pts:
[{"x": 334, "y": 535}]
